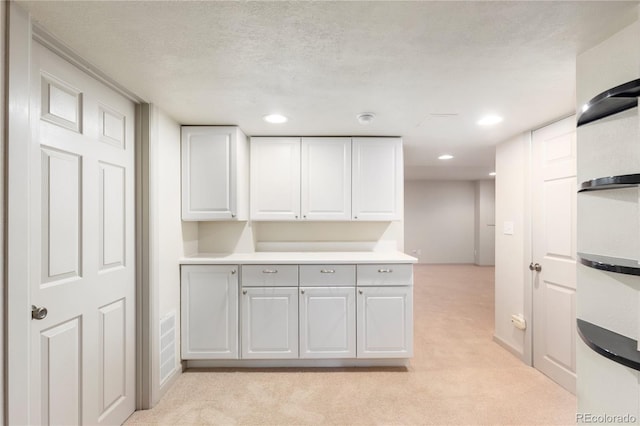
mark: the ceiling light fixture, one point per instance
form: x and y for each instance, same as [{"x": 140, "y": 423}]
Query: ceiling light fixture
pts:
[
  {"x": 275, "y": 118},
  {"x": 366, "y": 118},
  {"x": 489, "y": 120},
  {"x": 492, "y": 174},
  {"x": 445, "y": 157}
]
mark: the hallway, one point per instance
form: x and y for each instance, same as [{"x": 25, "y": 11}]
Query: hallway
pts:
[{"x": 457, "y": 376}]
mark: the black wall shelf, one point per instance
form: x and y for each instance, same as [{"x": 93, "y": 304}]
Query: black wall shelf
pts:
[
  {"x": 610, "y": 102},
  {"x": 614, "y": 346},
  {"x": 610, "y": 264},
  {"x": 610, "y": 182}
]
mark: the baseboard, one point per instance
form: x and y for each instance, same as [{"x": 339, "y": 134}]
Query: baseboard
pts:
[
  {"x": 299, "y": 363},
  {"x": 515, "y": 352},
  {"x": 166, "y": 385}
]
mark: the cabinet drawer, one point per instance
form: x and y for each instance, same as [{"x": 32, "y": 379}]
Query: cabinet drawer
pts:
[
  {"x": 269, "y": 276},
  {"x": 385, "y": 274},
  {"x": 327, "y": 275}
]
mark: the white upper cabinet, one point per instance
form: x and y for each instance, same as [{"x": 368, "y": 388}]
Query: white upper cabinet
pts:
[
  {"x": 214, "y": 173},
  {"x": 377, "y": 179},
  {"x": 275, "y": 178},
  {"x": 326, "y": 178}
]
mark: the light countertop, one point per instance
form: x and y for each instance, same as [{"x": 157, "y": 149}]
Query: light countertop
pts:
[{"x": 283, "y": 258}]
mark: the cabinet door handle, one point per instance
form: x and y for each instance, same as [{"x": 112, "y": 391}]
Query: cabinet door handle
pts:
[
  {"x": 327, "y": 271},
  {"x": 244, "y": 291},
  {"x": 269, "y": 271},
  {"x": 385, "y": 271}
]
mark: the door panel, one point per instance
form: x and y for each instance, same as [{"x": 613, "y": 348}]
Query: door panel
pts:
[
  {"x": 83, "y": 352},
  {"x": 113, "y": 350},
  {"x": 61, "y": 210},
  {"x": 61, "y": 385},
  {"x": 554, "y": 248}
]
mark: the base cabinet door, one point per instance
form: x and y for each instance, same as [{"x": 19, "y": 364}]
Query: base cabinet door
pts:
[
  {"x": 385, "y": 322},
  {"x": 327, "y": 322},
  {"x": 209, "y": 311},
  {"x": 269, "y": 322}
]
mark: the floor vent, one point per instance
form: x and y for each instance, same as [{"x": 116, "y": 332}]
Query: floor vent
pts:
[{"x": 167, "y": 346}]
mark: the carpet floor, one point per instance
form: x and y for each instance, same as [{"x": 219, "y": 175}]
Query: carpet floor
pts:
[{"x": 458, "y": 376}]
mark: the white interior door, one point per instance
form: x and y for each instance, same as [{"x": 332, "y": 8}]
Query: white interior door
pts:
[
  {"x": 554, "y": 249},
  {"x": 80, "y": 225}
]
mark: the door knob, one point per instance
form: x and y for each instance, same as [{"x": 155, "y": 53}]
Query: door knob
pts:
[
  {"x": 38, "y": 313},
  {"x": 535, "y": 267}
]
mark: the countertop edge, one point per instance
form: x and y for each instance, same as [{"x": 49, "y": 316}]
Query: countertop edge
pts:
[{"x": 294, "y": 258}]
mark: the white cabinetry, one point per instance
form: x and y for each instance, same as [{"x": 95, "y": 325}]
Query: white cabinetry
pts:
[
  {"x": 269, "y": 322},
  {"x": 209, "y": 311},
  {"x": 377, "y": 179},
  {"x": 214, "y": 173},
  {"x": 269, "y": 311},
  {"x": 293, "y": 179},
  {"x": 326, "y": 178},
  {"x": 275, "y": 178},
  {"x": 327, "y": 311},
  {"x": 385, "y": 311}
]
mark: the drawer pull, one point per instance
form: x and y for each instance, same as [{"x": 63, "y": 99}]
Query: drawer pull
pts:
[
  {"x": 269, "y": 271},
  {"x": 385, "y": 271},
  {"x": 327, "y": 271}
]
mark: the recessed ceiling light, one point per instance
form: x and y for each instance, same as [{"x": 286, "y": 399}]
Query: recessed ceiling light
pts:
[
  {"x": 489, "y": 120},
  {"x": 492, "y": 174},
  {"x": 275, "y": 118},
  {"x": 366, "y": 118},
  {"x": 445, "y": 157}
]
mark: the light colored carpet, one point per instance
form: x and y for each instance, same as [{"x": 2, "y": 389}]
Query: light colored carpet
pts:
[{"x": 458, "y": 376}]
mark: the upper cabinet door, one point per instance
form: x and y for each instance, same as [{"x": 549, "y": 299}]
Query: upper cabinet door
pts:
[
  {"x": 377, "y": 179},
  {"x": 326, "y": 178},
  {"x": 275, "y": 178},
  {"x": 214, "y": 173}
]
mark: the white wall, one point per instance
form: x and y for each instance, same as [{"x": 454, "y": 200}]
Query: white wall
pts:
[
  {"x": 511, "y": 256},
  {"x": 170, "y": 238},
  {"x": 485, "y": 222},
  {"x": 440, "y": 221},
  {"x": 608, "y": 224}
]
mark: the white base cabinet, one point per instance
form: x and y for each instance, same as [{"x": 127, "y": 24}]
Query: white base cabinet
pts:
[
  {"x": 209, "y": 311},
  {"x": 327, "y": 322},
  {"x": 385, "y": 322},
  {"x": 309, "y": 311},
  {"x": 269, "y": 322}
]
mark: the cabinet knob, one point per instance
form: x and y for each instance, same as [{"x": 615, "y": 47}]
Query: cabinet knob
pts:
[
  {"x": 302, "y": 291},
  {"x": 296, "y": 216},
  {"x": 233, "y": 271},
  {"x": 355, "y": 217},
  {"x": 304, "y": 217},
  {"x": 233, "y": 215},
  {"x": 360, "y": 291},
  {"x": 244, "y": 291}
]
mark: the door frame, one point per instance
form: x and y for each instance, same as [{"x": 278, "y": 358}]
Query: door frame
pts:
[{"x": 21, "y": 32}]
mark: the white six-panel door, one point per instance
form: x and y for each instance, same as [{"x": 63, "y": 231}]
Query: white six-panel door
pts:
[
  {"x": 82, "y": 354},
  {"x": 554, "y": 250}
]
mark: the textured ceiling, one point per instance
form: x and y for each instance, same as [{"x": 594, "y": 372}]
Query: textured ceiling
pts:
[{"x": 428, "y": 70}]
